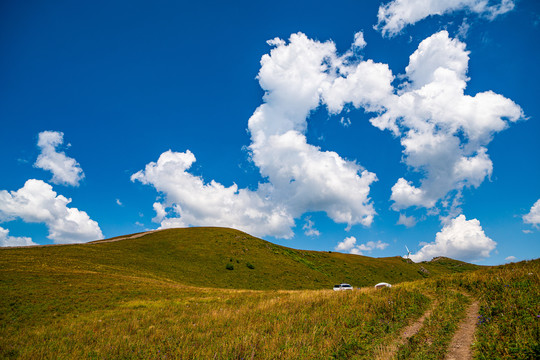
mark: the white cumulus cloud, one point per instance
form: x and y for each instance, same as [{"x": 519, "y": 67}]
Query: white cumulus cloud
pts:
[
  {"x": 6, "y": 240},
  {"x": 65, "y": 170},
  {"x": 397, "y": 14},
  {"x": 36, "y": 202},
  {"x": 297, "y": 78},
  {"x": 372, "y": 245},
  {"x": 511, "y": 259},
  {"x": 443, "y": 131},
  {"x": 533, "y": 217},
  {"x": 349, "y": 245},
  {"x": 192, "y": 202},
  {"x": 444, "y": 134},
  {"x": 461, "y": 239},
  {"x": 359, "y": 42}
]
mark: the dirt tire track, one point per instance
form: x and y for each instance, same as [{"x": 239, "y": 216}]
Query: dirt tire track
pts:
[
  {"x": 460, "y": 347},
  {"x": 389, "y": 352},
  {"x": 95, "y": 242},
  {"x": 122, "y": 238}
]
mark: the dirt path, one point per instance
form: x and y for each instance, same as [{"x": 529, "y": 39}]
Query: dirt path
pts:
[
  {"x": 389, "y": 352},
  {"x": 460, "y": 347},
  {"x": 90, "y": 242},
  {"x": 122, "y": 238}
]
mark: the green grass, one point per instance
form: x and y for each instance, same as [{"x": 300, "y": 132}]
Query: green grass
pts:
[
  {"x": 169, "y": 295},
  {"x": 509, "y": 323},
  {"x": 432, "y": 341},
  {"x": 199, "y": 256}
]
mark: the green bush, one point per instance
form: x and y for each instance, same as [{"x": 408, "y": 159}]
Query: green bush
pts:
[
  {"x": 229, "y": 266},
  {"x": 250, "y": 266}
]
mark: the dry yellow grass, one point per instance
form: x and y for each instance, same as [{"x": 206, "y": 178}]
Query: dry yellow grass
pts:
[
  {"x": 126, "y": 300},
  {"x": 224, "y": 324}
]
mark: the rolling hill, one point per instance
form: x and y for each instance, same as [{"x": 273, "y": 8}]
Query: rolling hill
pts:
[
  {"x": 203, "y": 293},
  {"x": 224, "y": 258}
]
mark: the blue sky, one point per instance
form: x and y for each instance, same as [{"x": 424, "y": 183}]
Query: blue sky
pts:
[{"x": 359, "y": 127}]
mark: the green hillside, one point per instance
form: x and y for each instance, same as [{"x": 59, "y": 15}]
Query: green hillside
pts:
[
  {"x": 224, "y": 258},
  {"x": 169, "y": 295}
]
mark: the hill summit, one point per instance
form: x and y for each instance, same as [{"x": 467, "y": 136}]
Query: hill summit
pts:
[{"x": 227, "y": 258}]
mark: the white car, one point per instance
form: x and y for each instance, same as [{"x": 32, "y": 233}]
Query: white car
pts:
[
  {"x": 342, "y": 287},
  {"x": 383, "y": 285}
]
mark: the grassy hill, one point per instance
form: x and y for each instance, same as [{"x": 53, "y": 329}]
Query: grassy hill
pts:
[
  {"x": 165, "y": 296},
  {"x": 226, "y": 258}
]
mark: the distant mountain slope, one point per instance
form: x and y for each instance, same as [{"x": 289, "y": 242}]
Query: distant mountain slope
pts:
[{"x": 223, "y": 258}]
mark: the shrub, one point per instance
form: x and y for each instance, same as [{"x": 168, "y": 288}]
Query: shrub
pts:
[
  {"x": 229, "y": 266},
  {"x": 250, "y": 266}
]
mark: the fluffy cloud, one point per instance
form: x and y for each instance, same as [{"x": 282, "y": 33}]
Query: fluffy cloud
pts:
[
  {"x": 359, "y": 42},
  {"x": 372, "y": 245},
  {"x": 533, "y": 217},
  {"x": 65, "y": 170},
  {"x": 511, "y": 259},
  {"x": 349, "y": 245},
  {"x": 407, "y": 221},
  {"x": 444, "y": 132},
  {"x": 297, "y": 78},
  {"x": 36, "y": 202},
  {"x": 192, "y": 202},
  {"x": 6, "y": 240},
  {"x": 395, "y": 15},
  {"x": 460, "y": 239}
]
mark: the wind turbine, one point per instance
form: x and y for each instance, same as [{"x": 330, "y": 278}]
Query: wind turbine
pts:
[{"x": 408, "y": 256}]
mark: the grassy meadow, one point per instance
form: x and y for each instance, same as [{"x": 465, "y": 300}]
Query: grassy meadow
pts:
[{"x": 169, "y": 295}]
